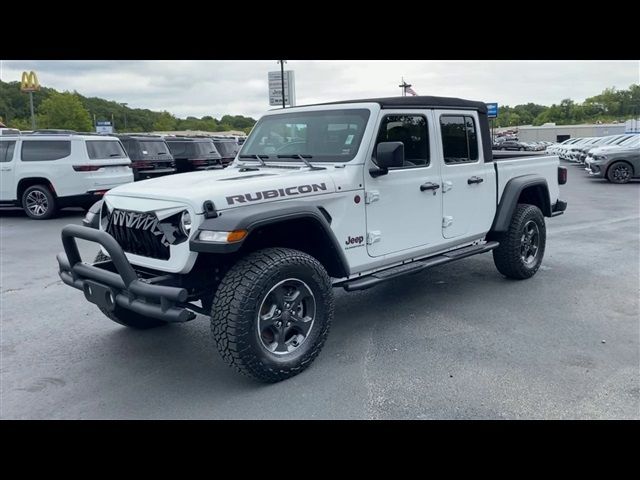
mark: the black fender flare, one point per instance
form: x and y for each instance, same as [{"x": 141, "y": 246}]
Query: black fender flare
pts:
[
  {"x": 510, "y": 196},
  {"x": 253, "y": 217}
]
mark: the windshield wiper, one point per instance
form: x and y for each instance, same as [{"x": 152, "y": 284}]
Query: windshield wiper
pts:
[
  {"x": 304, "y": 159},
  {"x": 256, "y": 156},
  {"x": 114, "y": 155}
]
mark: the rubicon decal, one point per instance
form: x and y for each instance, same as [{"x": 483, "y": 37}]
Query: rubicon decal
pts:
[
  {"x": 353, "y": 242},
  {"x": 275, "y": 193}
]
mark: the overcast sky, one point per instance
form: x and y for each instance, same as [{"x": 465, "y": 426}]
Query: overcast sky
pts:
[{"x": 216, "y": 88}]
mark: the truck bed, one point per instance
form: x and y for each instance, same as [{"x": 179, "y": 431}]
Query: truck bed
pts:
[{"x": 544, "y": 165}]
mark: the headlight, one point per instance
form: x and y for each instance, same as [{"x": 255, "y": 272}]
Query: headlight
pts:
[
  {"x": 598, "y": 158},
  {"x": 222, "y": 237},
  {"x": 185, "y": 223}
]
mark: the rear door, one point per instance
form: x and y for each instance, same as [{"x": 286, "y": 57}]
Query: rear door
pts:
[
  {"x": 7, "y": 170},
  {"x": 468, "y": 183}
]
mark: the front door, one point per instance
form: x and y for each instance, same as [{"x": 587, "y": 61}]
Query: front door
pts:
[
  {"x": 468, "y": 183},
  {"x": 7, "y": 170},
  {"x": 403, "y": 207}
]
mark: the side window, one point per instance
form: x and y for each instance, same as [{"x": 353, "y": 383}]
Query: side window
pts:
[
  {"x": 40, "y": 151},
  {"x": 411, "y": 130},
  {"x": 459, "y": 139},
  {"x": 6, "y": 151}
]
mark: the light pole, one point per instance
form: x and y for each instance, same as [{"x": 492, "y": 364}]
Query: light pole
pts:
[{"x": 282, "y": 62}]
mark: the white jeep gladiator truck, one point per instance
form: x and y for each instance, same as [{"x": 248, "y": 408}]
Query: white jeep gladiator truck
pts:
[{"x": 347, "y": 194}]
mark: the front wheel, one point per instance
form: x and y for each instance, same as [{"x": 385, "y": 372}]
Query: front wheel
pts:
[
  {"x": 619, "y": 172},
  {"x": 522, "y": 246},
  {"x": 272, "y": 312}
]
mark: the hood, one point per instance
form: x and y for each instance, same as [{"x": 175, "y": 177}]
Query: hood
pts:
[{"x": 231, "y": 187}]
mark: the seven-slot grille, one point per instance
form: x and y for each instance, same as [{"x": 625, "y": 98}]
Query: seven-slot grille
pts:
[{"x": 138, "y": 233}]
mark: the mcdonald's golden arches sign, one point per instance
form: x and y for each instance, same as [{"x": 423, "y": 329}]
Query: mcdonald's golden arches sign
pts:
[{"x": 29, "y": 82}]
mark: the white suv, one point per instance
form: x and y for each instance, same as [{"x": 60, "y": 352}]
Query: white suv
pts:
[{"x": 42, "y": 173}]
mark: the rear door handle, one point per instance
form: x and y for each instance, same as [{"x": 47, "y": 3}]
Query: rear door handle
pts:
[
  {"x": 429, "y": 186},
  {"x": 475, "y": 180}
]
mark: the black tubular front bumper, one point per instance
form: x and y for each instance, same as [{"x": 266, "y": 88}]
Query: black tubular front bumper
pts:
[{"x": 123, "y": 287}]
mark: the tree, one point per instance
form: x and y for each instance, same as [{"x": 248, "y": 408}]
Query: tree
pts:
[
  {"x": 165, "y": 122},
  {"x": 64, "y": 110}
]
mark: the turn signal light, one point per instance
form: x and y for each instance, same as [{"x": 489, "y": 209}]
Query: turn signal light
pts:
[
  {"x": 87, "y": 168},
  {"x": 236, "y": 235}
]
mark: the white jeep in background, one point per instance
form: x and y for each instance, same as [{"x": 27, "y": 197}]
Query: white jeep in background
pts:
[{"x": 348, "y": 194}]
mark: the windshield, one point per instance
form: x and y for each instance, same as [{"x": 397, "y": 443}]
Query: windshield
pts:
[
  {"x": 154, "y": 148},
  {"x": 631, "y": 142},
  {"x": 324, "y": 136}
]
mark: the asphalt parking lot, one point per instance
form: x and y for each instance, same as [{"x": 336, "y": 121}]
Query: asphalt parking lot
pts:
[{"x": 458, "y": 341}]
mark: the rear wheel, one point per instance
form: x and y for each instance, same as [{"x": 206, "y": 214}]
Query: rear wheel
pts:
[
  {"x": 38, "y": 202},
  {"x": 127, "y": 317},
  {"x": 272, "y": 312},
  {"x": 619, "y": 172},
  {"x": 522, "y": 246}
]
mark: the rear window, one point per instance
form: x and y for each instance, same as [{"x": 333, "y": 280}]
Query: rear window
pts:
[
  {"x": 45, "y": 150},
  {"x": 153, "y": 148},
  {"x": 105, "y": 149},
  {"x": 227, "y": 148}
]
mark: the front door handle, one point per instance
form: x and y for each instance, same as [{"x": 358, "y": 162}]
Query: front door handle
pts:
[
  {"x": 475, "y": 180},
  {"x": 429, "y": 186}
]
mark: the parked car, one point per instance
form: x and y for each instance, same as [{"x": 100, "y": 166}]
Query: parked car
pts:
[
  {"x": 227, "y": 148},
  {"x": 565, "y": 151},
  {"x": 609, "y": 140},
  {"x": 512, "y": 145},
  {"x": 193, "y": 153},
  {"x": 555, "y": 149},
  {"x": 617, "y": 163},
  {"x": 361, "y": 199},
  {"x": 43, "y": 173},
  {"x": 149, "y": 154}
]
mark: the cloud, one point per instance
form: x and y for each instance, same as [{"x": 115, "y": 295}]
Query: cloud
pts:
[{"x": 197, "y": 88}]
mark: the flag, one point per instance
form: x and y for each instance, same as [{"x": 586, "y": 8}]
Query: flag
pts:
[{"x": 410, "y": 91}]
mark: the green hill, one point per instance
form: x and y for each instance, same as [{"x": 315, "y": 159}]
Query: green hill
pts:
[{"x": 15, "y": 113}]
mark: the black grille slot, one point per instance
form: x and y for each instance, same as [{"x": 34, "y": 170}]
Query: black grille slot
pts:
[{"x": 138, "y": 233}]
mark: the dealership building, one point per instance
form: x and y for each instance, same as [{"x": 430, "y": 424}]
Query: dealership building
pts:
[{"x": 551, "y": 132}]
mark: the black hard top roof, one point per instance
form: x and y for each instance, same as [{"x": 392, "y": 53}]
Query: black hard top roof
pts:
[{"x": 419, "y": 102}]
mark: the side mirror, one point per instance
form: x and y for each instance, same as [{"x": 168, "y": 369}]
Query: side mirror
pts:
[{"x": 388, "y": 155}]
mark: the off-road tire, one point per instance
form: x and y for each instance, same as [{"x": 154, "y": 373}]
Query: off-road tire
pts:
[
  {"x": 127, "y": 317},
  {"x": 234, "y": 314},
  {"x": 42, "y": 192},
  {"x": 507, "y": 257},
  {"x": 612, "y": 175}
]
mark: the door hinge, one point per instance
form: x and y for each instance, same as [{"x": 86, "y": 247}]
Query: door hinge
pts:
[
  {"x": 372, "y": 196},
  {"x": 446, "y": 186},
  {"x": 374, "y": 237},
  {"x": 447, "y": 221}
]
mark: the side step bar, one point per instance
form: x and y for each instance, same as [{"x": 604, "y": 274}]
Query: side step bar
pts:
[{"x": 362, "y": 283}]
